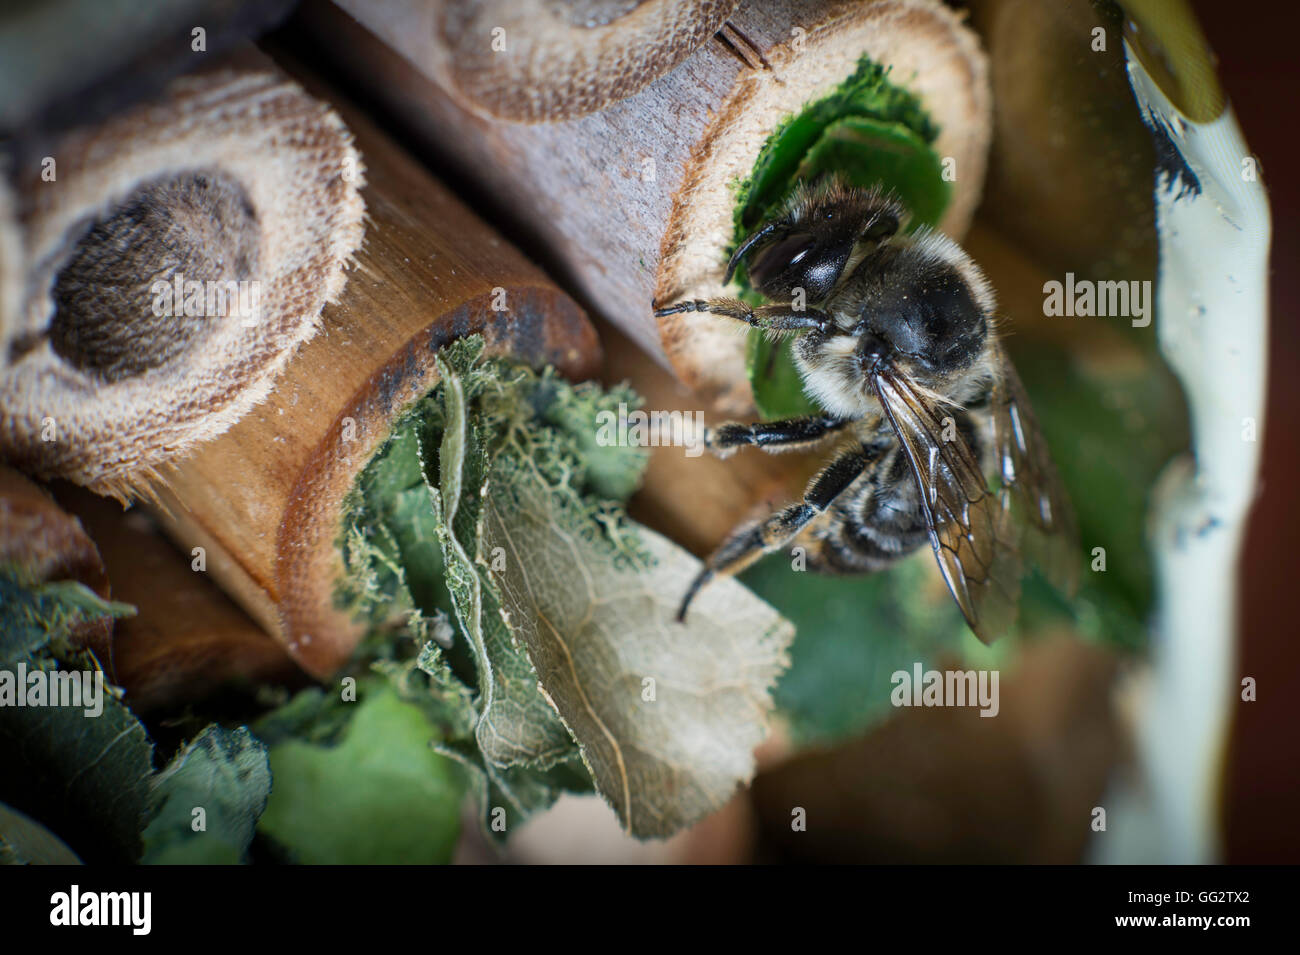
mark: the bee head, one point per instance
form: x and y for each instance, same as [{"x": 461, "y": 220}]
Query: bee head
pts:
[
  {"x": 917, "y": 307},
  {"x": 809, "y": 245}
]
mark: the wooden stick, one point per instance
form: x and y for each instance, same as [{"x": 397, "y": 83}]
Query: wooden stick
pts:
[
  {"x": 634, "y": 204},
  {"x": 264, "y": 500}
]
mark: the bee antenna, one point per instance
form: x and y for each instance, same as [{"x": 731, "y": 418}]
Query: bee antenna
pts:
[{"x": 745, "y": 246}]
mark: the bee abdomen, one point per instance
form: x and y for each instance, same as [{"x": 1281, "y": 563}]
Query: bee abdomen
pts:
[
  {"x": 833, "y": 553},
  {"x": 874, "y": 524}
]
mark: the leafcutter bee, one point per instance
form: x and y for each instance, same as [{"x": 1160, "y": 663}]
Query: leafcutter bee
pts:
[{"x": 897, "y": 342}]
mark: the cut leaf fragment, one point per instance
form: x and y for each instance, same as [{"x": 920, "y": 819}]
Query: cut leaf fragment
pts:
[
  {"x": 540, "y": 566},
  {"x": 381, "y": 795},
  {"x": 667, "y": 715},
  {"x": 208, "y": 800}
]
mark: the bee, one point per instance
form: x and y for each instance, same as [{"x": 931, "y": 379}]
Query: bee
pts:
[{"x": 897, "y": 342}]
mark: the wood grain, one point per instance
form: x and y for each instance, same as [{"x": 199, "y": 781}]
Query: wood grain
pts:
[{"x": 234, "y": 179}]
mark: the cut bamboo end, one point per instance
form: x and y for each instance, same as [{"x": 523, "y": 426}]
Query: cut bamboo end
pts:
[
  {"x": 172, "y": 258},
  {"x": 538, "y": 61},
  {"x": 265, "y": 499},
  {"x": 542, "y": 328},
  {"x": 929, "y": 52}
]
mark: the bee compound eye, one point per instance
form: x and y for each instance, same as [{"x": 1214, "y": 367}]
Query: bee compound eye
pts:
[{"x": 779, "y": 257}]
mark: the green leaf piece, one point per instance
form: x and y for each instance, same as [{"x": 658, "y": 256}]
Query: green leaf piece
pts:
[
  {"x": 851, "y": 634},
  {"x": 507, "y": 471},
  {"x": 381, "y": 795},
  {"x": 220, "y": 780},
  {"x": 1089, "y": 410},
  {"x": 428, "y": 681},
  {"x": 868, "y": 152},
  {"x": 33, "y": 616},
  {"x": 517, "y": 725},
  {"x": 871, "y": 133},
  {"x": 867, "y": 94},
  {"x": 310, "y": 716},
  {"x": 777, "y": 384},
  {"x": 84, "y": 776},
  {"x": 609, "y": 472}
]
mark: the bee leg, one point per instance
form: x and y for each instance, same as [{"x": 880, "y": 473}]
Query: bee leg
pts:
[
  {"x": 787, "y": 435},
  {"x": 751, "y": 541},
  {"x": 778, "y": 318}
]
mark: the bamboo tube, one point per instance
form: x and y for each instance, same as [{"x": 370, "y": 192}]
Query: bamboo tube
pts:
[
  {"x": 264, "y": 499},
  {"x": 634, "y": 204},
  {"x": 186, "y": 639},
  {"x": 564, "y": 60},
  {"x": 171, "y": 259}
]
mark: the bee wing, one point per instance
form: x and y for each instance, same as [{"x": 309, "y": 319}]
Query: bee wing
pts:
[
  {"x": 971, "y": 531},
  {"x": 1031, "y": 490}
]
